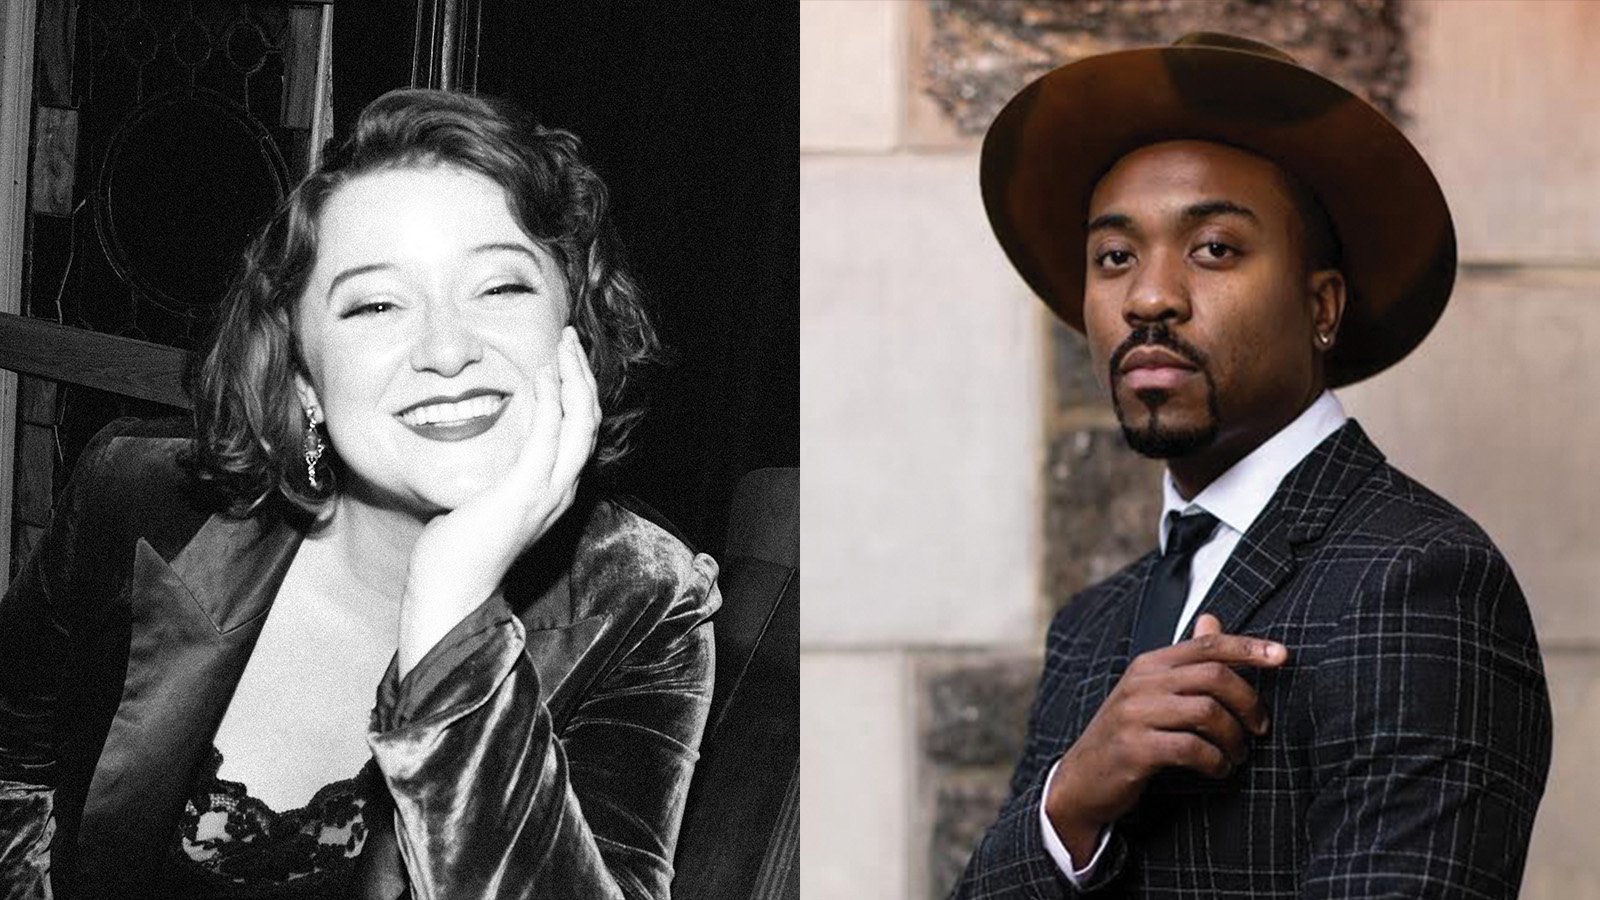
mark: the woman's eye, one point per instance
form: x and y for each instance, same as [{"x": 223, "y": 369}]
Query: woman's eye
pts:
[
  {"x": 374, "y": 307},
  {"x": 510, "y": 287}
]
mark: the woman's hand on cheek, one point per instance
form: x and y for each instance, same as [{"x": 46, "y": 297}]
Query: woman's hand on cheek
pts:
[{"x": 462, "y": 555}]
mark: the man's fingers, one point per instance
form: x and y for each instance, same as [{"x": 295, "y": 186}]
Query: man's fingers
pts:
[
  {"x": 1205, "y": 624},
  {"x": 1190, "y": 751},
  {"x": 1229, "y": 649},
  {"x": 1207, "y": 717},
  {"x": 1217, "y": 681}
]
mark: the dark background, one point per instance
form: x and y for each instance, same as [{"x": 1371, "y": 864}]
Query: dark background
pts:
[{"x": 690, "y": 110}]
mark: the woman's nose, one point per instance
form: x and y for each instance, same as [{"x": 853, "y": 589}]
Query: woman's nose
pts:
[{"x": 447, "y": 343}]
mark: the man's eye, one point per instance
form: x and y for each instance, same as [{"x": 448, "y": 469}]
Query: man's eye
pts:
[
  {"x": 1217, "y": 250},
  {"x": 1117, "y": 258}
]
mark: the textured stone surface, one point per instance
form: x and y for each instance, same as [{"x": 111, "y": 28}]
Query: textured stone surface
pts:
[
  {"x": 855, "y": 799},
  {"x": 1503, "y": 102},
  {"x": 851, "y": 74},
  {"x": 923, "y": 374},
  {"x": 1075, "y": 384},
  {"x": 1495, "y": 411},
  {"x": 975, "y": 712},
  {"x": 964, "y": 804},
  {"x": 979, "y": 53},
  {"x": 1102, "y": 503},
  {"x": 1561, "y": 860}
]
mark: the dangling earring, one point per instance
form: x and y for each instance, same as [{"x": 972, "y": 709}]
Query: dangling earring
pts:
[{"x": 313, "y": 447}]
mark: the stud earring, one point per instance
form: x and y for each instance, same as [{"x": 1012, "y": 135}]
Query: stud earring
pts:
[
  {"x": 1324, "y": 339},
  {"x": 313, "y": 448}
]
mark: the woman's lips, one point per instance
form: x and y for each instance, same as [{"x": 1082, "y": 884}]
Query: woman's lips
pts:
[{"x": 456, "y": 421}]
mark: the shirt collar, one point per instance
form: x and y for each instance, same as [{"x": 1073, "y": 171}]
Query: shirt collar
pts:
[{"x": 1239, "y": 495}]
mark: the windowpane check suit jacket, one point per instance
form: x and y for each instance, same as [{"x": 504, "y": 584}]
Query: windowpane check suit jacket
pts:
[{"x": 1410, "y": 728}]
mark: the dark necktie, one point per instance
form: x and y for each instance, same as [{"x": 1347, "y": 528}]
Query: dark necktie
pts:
[{"x": 1168, "y": 587}]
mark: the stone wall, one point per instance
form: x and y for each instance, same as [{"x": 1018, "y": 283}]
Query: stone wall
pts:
[{"x": 964, "y": 475}]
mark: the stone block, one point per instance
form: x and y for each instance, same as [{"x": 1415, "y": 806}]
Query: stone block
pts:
[
  {"x": 965, "y": 803},
  {"x": 975, "y": 710},
  {"x": 967, "y": 59},
  {"x": 1102, "y": 509},
  {"x": 1495, "y": 411},
  {"x": 923, "y": 373},
  {"x": 1502, "y": 96},
  {"x": 1075, "y": 385},
  {"x": 851, "y": 65},
  {"x": 1562, "y": 863},
  {"x": 855, "y": 760}
]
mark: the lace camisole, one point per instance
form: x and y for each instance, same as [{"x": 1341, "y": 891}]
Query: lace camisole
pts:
[{"x": 231, "y": 845}]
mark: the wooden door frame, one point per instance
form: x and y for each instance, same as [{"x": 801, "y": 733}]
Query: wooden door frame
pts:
[
  {"x": 45, "y": 349},
  {"x": 444, "y": 55},
  {"x": 16, "y": 121}
]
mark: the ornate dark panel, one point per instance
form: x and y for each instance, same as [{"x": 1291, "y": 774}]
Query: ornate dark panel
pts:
[
  {"x": 981, "y": 52},
  {"x": 169, "y": 131},
  {"x": 444, "y": 52},
  {"x": 181, "y": 155}
]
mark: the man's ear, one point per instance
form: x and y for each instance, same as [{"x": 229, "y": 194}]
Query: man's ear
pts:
[{"x": 1326, "y": 292}]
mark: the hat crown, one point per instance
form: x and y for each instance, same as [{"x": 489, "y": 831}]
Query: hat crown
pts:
[{"x": 1218, "y": 40}]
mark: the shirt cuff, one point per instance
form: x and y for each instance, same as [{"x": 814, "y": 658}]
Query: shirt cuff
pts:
[{"x": 1058, "y": 851}]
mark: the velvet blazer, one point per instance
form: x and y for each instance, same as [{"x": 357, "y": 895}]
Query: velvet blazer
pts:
[
  {"x": 543, "y": 748},
  {"x": 1410, "y": 728}
]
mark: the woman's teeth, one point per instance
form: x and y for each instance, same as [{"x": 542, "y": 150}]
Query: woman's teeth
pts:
[{"x": 459, "y": 411}]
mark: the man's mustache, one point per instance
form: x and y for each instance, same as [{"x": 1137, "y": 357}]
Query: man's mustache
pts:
[{"x": 1157, "y": 336}]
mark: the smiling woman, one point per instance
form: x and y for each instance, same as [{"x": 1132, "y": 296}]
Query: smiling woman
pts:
[{"x": 425, "y": 351}]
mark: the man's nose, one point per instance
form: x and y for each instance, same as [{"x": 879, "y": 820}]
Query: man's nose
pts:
[
  {"x": 447, "y": 342},
  {"x": 1158, "y": 292}
]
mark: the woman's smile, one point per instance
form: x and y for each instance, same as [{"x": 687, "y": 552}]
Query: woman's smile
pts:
[
  {"x": 428, "y": 314},
  {"x": 456, "y": 420}
]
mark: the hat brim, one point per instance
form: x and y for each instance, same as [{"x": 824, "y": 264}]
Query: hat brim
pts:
[{"x": 1054, "y": 140}]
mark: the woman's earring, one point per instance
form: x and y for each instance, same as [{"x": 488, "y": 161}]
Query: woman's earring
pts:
[{"x": 313, "y": 447}]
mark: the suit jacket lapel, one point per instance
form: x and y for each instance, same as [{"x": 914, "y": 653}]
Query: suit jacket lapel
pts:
[
  {"x": 1299, "y": 512},
  {"x": 194, "y": 620}
]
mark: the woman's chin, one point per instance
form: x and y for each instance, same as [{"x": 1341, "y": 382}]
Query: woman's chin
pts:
[{"x": 448, "y": 493}]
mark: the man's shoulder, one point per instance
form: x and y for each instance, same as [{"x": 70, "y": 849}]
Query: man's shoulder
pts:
[{"x": 1393, "y": 509}]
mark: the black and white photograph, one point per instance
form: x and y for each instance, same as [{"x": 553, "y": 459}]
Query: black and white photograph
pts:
[{"x": 399, "y": 447}]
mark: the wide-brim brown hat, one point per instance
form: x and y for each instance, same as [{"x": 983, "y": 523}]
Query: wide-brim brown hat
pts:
[{"x": 1054, "y": 141}]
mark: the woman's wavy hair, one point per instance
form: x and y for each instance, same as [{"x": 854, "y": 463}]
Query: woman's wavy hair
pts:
[{"x": 250, "y": 431}]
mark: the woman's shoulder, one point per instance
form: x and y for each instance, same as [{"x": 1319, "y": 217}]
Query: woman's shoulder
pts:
[
  {"x": 626, "y": 546},
  {"x": 130, "y": 478}
]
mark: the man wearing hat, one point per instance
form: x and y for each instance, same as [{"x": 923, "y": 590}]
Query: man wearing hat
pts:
[{"x": 1325, "y": 681}]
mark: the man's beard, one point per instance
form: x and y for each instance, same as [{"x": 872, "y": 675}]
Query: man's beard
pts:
[{"x": 1157, "y": 439}]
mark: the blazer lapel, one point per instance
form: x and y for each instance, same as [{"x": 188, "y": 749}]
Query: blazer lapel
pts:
[
  {"x": 194, "y": 620},
  {"x": 1299, "y": 512}
]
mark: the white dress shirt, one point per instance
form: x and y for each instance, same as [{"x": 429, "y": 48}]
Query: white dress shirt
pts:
[{"x": 1236, "y": 498}]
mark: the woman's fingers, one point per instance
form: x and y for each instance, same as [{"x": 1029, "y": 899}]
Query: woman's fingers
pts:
[
  {"x": 532, "y": 469},
  {"x": 579, "y": 423},
  {"x": 594, "y": 388}
]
